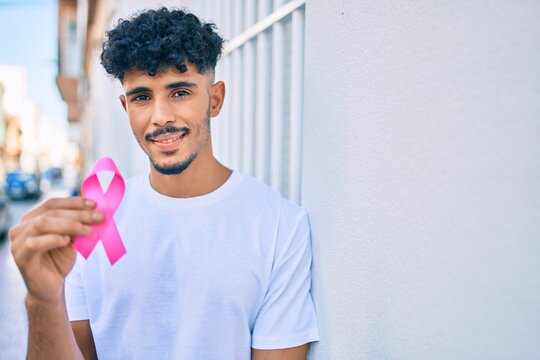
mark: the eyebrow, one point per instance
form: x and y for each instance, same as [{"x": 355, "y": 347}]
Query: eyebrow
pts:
[
  {"x": 181, "y": 84},
  {"x": 137, "y": 90},
  {"x": 173, "y": 85}
]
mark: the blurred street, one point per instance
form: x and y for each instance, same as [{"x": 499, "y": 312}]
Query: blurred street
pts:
[{"x": 13, "y": 322}]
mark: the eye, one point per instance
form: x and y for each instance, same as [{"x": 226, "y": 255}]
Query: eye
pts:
[
  {"x": 180, "y": 93},
  {"x": 140, "y": 98}
]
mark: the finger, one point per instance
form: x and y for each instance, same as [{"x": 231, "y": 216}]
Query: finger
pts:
[
  {"x": 40, "y": 244},
  {"x": 23, "y": 250},
  {"x": 84, "y": 216},
  {"x": 14, "y": 231},
  {"x": 43, "y": 225},
  {"x": 72, "y": 203}
]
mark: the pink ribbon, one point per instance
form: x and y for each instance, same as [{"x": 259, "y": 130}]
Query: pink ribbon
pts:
[{"x": 106, "y": 202}]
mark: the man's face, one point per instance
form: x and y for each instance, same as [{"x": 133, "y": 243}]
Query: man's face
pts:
[{"x": 170, "y": 115}]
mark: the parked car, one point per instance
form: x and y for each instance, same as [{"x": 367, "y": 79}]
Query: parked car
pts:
[
  {"x": 5, "y": 217},
  {"x": 53, "y": 175},
  {"x": 22, "y": 185}
]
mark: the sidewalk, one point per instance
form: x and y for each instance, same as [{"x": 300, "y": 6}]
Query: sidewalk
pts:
[{"x": 13, "y": 321}]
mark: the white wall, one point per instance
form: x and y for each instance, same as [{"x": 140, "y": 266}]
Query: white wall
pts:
[{"x": 421, "y": 172}]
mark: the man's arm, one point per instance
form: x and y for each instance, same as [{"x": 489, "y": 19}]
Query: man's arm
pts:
[
  {"x": 295, "y": 353},
  {"x": 84, "y": 338},
  {"x": 50, "y": 334},
  {"x": 41, "y": 247}
]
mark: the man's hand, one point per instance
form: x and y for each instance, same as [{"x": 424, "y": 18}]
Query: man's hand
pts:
[{"x": 41, "y": 244}]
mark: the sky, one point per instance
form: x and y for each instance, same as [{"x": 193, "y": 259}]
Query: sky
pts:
[{"x": 28, "y": 38}]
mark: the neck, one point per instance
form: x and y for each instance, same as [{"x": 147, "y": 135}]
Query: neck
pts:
[{"x": 204, "y": 175}]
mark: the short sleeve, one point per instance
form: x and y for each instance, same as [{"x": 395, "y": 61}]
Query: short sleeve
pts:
[
  {"x": 74, "y": 293},
  {"x": 287, "y": 316}
]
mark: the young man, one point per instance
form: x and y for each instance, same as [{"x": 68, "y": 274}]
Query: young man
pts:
[{"x": 217, "y": 263}]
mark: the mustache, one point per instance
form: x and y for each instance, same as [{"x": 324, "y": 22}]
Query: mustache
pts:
[{"x": 166, "y": 130}]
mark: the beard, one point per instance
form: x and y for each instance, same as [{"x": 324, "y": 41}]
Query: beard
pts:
[{"x": 177, "y": 168}]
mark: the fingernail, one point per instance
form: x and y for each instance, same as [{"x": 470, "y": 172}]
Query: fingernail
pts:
[
  {"x": 97, "y": 216},
  {"x": 87, "y": 229},
  {"x": 89, "y": 202}
]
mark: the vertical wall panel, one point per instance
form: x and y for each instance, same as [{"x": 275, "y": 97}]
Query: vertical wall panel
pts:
[
  {"x": 248, "y": 109},
  {"x": 236, "y": 83},
  {"x": 278, "y": 55},
  {"x": 217, "y": 123},
  {"x": 296, "y": 103},
  {"x": 262, "y": 123},
  {"x": 227, "y": 78}
]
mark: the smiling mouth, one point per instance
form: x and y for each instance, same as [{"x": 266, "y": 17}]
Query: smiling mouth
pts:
[
  {"x": 169, "y": 140},
  {"x": 169, "y": 143}
]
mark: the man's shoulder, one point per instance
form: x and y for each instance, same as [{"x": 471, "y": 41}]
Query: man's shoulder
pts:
[
  {"x": 253, "y": 186},
  {"x": 134, "y": 181},
  {"x": 256, "y": 190}
]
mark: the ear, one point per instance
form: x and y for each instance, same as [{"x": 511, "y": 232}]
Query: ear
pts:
[
  {"x": 217, "y": 95},
  {"x": 123, "y": 102}
]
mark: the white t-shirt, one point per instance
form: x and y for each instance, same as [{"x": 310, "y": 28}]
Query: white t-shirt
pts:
[{"x": 207, "y": 277}]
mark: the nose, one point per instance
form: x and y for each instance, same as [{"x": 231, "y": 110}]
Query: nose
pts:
[{"x": 162, "y": 113}]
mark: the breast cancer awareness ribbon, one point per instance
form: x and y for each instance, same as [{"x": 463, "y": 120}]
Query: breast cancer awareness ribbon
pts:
[{"x": 106, "y": 202}]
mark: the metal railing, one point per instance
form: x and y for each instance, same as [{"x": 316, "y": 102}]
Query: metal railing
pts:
[{"x": 260, "y": 128}]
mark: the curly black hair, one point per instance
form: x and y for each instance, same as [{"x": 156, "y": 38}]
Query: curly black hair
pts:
[{"x": 157, "y": 39}]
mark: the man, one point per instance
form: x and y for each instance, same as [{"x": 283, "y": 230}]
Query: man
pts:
[{"x": 217, "y": 263}]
